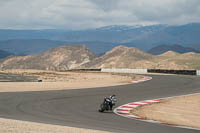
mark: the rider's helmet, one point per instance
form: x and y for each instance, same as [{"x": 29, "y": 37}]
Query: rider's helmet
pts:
[
  {"x": 113, "y": 96},
  {"x": 113, "y": 99}
]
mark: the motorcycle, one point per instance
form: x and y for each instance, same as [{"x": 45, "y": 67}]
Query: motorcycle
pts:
[{"x": 105, "y": 105}]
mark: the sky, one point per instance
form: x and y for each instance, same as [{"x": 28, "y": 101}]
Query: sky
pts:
[{"x": 86, "y": 14}]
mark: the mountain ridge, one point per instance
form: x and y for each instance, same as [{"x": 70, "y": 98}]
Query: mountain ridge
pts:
[
  {"x": 67, "y": 57},
  {"x": 4, "y": 54},
  {"x": 58, "y": 59},
  {"x": 160, "y": 49},
  {"x": 143, "y": 37}
]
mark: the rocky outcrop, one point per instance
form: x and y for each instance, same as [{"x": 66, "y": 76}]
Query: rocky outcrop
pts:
[{"x": 60, "y": 58}]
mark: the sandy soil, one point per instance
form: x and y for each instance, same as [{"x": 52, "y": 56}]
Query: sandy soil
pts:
[
  {"x": 65, "y": 80},
  {"x": 181, "y": 111},
  {"x": 56, "y": 81},
  {"x": 15, "y": 126}
]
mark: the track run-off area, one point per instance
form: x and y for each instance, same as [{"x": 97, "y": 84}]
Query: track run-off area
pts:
[{"x": 79, "y": 108}]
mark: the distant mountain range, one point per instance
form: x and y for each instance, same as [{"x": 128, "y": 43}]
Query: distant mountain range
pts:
[
  {"x": 4, "y": 54},
  {"x": 26, "y": 47},
  {"x": 35, "y": 46},
  {"x": 71, "y": 57},
  {"x": 176, "y": 48},
  {"x": 101, "y": 39}
]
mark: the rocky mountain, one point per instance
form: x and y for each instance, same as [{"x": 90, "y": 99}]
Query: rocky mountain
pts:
[
  {"x": 171, "y": 54},
  {"x": 71, "y": 57},
  {"x": 176, "y": 48},
  {"x": 130, "y": 57},
  {"x": 120, "y": 57},
  {"x": 172, "y": 60},
  {"x": 4, "y": 54},
  {"x": 60, "y": 58}
]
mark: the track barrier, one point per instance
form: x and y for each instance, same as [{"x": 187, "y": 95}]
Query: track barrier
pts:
[
  {"x": 124, "y": 70},
  {"x": 142, "y": 71},
  {"x": 198, "y": 72},
  {"x": 84, "y": 70},
  {"x": 183, "y": 72}
]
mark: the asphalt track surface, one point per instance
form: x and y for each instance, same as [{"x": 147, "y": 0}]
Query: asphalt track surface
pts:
[{"x": 78, "y": 108}]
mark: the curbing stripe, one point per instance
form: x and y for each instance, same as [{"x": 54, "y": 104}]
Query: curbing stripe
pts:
[
  {"x": 146, "y": 78},
  {"x": 125, "y": 109},
  {"x": 125, "y": 112}
]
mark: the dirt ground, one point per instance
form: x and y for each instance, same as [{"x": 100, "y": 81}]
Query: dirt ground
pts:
[
  {"x": 15, "y": 126},
  {"x": 180, "y": 111},
  {"x": 65, "y": 80},
  {"x": 56, "y": 81}
]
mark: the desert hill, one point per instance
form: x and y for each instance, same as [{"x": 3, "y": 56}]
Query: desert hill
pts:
[
  {"x": 120, "y": 57},
  {"x": 130, "y": 57},
  {"x": 188, "y": 60},
  {"x": 170, "y": 54},
  {"x": 71, "y": 57},
  {"x": 60, "y": 58},
  {"x": 174, "y": 60},
  {"x": 160, "y": 49}
]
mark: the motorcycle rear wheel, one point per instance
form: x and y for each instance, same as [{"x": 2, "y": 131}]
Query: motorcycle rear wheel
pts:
[{"x": 102, "y": 108}]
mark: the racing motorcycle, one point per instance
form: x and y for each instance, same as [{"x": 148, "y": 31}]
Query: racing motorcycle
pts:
[{"x": 107, "y": 104}]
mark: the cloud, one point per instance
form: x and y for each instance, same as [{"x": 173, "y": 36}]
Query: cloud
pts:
[
  {"x": 81, "y": 14},
  {"x": 106, "y": 5}
]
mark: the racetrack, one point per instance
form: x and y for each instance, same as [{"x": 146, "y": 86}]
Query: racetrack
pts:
[{"x": 79, "y": 107}]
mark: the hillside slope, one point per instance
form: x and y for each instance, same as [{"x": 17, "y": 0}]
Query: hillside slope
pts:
[
  {"x": 120, "y": 57},
  {"x": 188, "y": 60},
  {"x": 71, "y": 57},
  {"x": 130, "y": 57},
  {"x": 176, "y": 48},
  {"x": 60, "y": 58}
]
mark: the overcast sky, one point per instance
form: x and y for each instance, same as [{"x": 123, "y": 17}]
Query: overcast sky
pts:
[{"x": 82, "y": 14}]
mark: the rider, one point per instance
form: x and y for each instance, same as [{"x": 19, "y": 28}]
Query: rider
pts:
[{"x": 112, "y": 101}]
